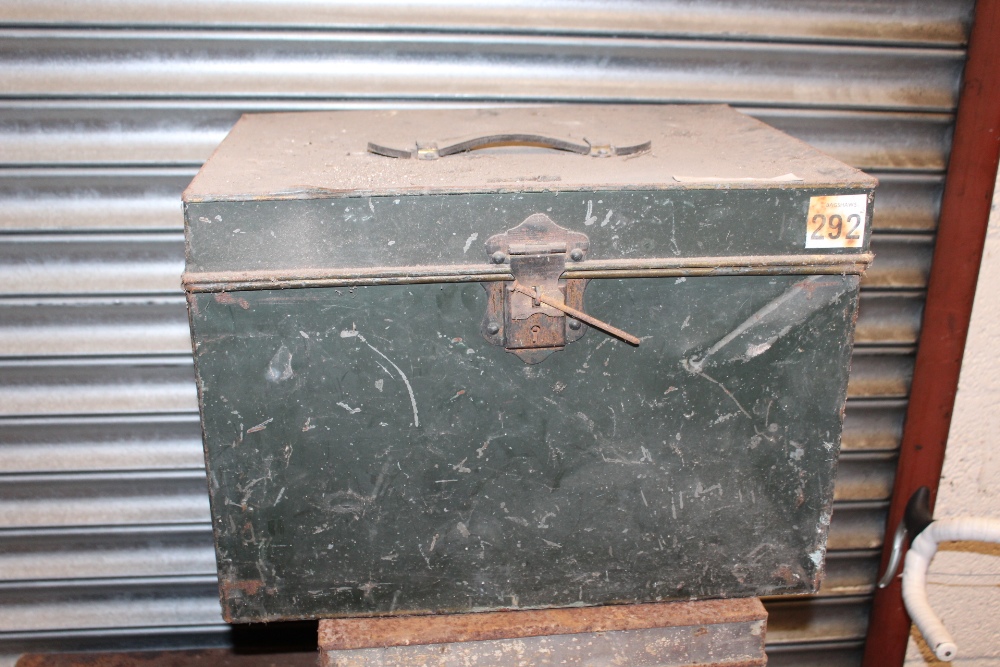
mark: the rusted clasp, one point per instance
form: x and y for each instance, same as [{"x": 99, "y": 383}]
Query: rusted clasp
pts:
[{"x": 528, "y": 316}]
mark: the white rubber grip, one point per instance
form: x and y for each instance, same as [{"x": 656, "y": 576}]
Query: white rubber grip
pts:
[{"x": 918, "y": 559}]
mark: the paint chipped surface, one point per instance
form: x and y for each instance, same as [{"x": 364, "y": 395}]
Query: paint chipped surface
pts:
[
  {"x": 663, "y": 472},
  {"x": 280, "y": 368},
  {"x": 352, "y": 333},
  {"x": 229, "y": 299},
  {"x": 261, "y": 426},
  {"x": 758, "y": 333},
  {"x": 613, "y": 473}
]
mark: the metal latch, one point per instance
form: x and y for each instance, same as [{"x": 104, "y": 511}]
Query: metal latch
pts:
[{"x": 537, "y": 313}]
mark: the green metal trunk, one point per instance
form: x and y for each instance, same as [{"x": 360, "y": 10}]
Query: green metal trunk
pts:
[{"x": 397, "y": 421}]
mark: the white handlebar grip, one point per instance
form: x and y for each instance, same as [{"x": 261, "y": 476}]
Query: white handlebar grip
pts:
[{"x": 918, "y": 559}]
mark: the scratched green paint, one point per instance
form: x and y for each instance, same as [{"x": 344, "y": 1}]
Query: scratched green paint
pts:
[
  {"x": 372, "y": 232},
  {"x": 369, "y": 452}
]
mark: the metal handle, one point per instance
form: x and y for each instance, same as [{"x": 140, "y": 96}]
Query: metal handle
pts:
[
  {"x": 430, "y": 151},
  {"x": 916, "y": 517},
  {"x": 537, "y": 295}
]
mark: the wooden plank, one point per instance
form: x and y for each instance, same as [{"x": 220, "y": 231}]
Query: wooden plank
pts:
[{"x": 709, "y": 632}]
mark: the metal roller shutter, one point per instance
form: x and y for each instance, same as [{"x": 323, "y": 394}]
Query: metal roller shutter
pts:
[{"x": 106, "y": 110}]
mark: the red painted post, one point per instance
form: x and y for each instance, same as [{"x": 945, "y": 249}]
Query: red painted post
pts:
[{"x": 965, "y": 209}]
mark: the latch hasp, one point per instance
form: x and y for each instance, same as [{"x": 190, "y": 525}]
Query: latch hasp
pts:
[{"x": 537, "y": 251}]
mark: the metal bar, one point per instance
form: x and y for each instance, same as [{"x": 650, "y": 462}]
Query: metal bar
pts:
[
  {"x": 857, "y": 525},
  {"x": 900, "y": 142},
  {"x": 880, "y": 21},
  {"x": 360, "y": 65},
  {"x": 107, "y": 386},
  {"x": 135, "y": 264},
  {"x": 695, "y": 271},
  {"x": 873, "y": 425},
  {"x": 91, "y": 264},
  {"x": 166, "y": 636},
  {"x": 965, "y": 209},
  {"x": 143, "y": 604},
  {"x": 846, "y": 653},
  {"x": 902, "y": 261},
  {"x": 842, "y": 618},
  {"x": 577, "y": 314},
  {"x": 223, "y": 281},
  {"x": 103, "y": 499},
  {"x": 884, "y": 318},
  {"x": 865, "y": 476},
  {"x": 82, "y": 326},
  {"x": 234, "y": 285},
  {"x": 101, "y": 444},
  {"x": 883, "y": 373}
]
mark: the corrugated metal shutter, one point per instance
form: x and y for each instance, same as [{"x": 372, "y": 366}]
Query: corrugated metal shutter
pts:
[{"x": 106, "y": 110}]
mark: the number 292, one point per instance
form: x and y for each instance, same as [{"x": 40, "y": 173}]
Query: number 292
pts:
[{"x": 834, "y": 226}]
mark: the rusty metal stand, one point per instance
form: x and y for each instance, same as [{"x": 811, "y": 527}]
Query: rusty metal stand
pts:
[{"x": 709, "y": 633}]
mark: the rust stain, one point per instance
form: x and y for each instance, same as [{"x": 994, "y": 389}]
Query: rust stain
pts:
[
  {"x": 220, "y": 282},
  {"x": 230, "y": 300},
  {"x": 786, "y": 574},
  {"x": 810, "y": 286},
  {"x": 245, "y": 586},
  {"x": 354, "y": 633}
]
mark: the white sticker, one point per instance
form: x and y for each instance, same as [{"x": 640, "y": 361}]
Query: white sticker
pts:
[{"x": 836, "y": 221}]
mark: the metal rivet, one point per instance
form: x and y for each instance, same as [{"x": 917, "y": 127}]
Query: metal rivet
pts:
[
  {"x": 498, "y": 257},
  {"x": 576, "y": 255},
  {"x": 575, "y": 325},
  {"x": 493, "y": 328}
]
